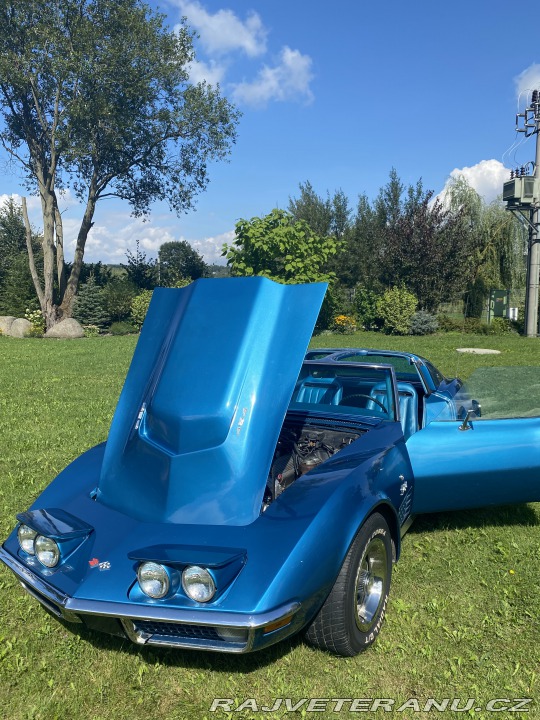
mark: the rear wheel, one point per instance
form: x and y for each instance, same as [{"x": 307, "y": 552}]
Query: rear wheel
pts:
[{"x": 351, "y": 618}]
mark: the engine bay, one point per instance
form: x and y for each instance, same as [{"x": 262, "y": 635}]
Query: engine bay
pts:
[{"x": 300, "y": 448}]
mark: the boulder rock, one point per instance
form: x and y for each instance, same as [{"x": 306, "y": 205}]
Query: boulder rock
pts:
[
  {"x": 20, "y": 328},
  {"x": 6, "y": 321},
  {"x": 68, "y": 328}
]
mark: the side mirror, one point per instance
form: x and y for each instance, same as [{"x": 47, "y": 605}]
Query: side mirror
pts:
[{"x": 465, "y": 425}]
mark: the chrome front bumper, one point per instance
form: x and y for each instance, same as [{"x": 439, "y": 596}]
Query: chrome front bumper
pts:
[{"x": 165, "y": 626}]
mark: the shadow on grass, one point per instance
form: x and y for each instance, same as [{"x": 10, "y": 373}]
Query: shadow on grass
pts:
[
  {"x": 497, "y": 516},
  {"x": 188, "y": 659}
]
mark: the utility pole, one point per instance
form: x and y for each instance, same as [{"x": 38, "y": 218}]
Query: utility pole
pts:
[
  {"x": 534, "y": 244},
  {"x": 522, "y": 195}
]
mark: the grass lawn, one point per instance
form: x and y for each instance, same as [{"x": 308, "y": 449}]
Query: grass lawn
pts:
[{"x": 463, "y": 619}]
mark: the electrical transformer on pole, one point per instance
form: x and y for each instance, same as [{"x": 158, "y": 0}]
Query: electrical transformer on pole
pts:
[{"x": 522, "y": 196}]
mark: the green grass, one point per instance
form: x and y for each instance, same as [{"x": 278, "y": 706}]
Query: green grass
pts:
[
  {"x": 463, "y": 620},
  {"x": 441, "y": 349}
]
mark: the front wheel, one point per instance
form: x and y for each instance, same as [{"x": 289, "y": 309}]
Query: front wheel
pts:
[{"x": 351, "y": 618}]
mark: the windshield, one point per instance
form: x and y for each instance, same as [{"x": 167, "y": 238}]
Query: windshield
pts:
[
  {"x": 404, "y": 367},
  {"x": 345, "y": 389}
]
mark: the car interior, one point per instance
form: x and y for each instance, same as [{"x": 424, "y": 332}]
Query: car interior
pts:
[{"x": 357, "y": 393}]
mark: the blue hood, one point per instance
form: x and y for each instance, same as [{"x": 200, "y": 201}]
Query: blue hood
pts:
[{"x": 194, "y": 432}]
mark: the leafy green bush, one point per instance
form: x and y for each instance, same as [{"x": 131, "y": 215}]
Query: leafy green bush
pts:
[
  {"x": 365, "y": 307},
  {"x": 139, "y": 307},
  {"x": 396, "y": 308},
  {"x": 501, "y": 326},
  {"x": 122, "y": 328},
  {"x": 475, "y": 326},
  {"x": 467, "y": 326},
  {"x": 423, "y": 323},
  {"x": 91, "y": 330},
  {"x": 329, "y": 308},
  {"x": 117, "y": 297},
  {"x": 34, "y": 332},
  {"x": 448, "y": 324}
]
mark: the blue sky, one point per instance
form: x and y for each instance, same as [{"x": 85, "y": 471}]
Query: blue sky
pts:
[{"x": 339, "y": 93}]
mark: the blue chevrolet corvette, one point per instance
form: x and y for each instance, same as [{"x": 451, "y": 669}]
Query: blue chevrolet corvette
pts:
[{"x": 248, "y": 491}]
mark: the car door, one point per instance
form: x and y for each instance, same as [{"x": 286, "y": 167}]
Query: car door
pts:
[{"x": 488, "y": 460}]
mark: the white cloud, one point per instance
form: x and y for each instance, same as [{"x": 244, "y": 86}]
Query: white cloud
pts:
[
  {"x": 210, "y": 72},
  {"x": 486, "y": 177},
  {"x": 288, "y": 80},
  {"x": 223, "y": 32},
  {"x": 32, "y": 201},
  {"x": 210, "y": 247},
  {"x": 528, "y": 80},
  {"x": 115, "y": 231}
]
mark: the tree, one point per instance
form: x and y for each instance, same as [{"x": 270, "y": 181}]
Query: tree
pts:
[
  {"x": 94, "y": 97},
  {"x": 141, "y": 273},
  {"x": 358, "y": 262},
  {"x": 88, "y": 307},
  {"x": 311, "y": 208},
  {"x": 17, "y": 292},
  {"x": 426, "y": 250},
  {"x": 495, "y": 243},
  {"x": 118, "y": 295},
  {"x": 12, "y": 237},
  {"x": 179, "y": 261},
  {"x": 16, "y": 288},
  {"x": 12, "y": 233},
  {"x": 279, "y": 248}
]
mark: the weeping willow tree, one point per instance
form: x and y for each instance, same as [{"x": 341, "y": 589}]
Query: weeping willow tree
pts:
[{"x": 495, "y": 246}]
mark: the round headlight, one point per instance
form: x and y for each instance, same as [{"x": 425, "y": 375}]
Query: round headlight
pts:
[
  {"x": 47, "y": 551},
  {"x": 198, "y": 584},
  {"x": 26, "y": 538},
  {"x": 153, "y": 580}
]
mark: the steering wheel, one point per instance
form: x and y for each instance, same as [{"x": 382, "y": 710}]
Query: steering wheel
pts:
[{"x": 361, "y": 395}]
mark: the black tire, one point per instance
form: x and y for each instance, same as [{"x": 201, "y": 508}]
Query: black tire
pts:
[{"x": 351, "y": 618}]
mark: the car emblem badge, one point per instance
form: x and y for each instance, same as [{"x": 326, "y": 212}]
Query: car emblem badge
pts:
[
  {"x": 241, "y": 421},
  {"x": 94, "y": 562},
  {"x": 404, "y": 486}
]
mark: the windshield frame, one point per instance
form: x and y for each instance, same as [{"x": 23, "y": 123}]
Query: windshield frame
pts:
[{"x": 386, "y": 371}]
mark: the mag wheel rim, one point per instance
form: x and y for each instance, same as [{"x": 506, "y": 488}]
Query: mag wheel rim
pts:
[{"x": 370, "y": 585}]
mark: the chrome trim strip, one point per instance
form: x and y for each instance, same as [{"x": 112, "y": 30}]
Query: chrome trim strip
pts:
[
  {"x": 51, "y": 607},
  {"x": 142, "y": 638},
  {"x": 197, "y": 616},
  {"x": 30, "y": 580}
]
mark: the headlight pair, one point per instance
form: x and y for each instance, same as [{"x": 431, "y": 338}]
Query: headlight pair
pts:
[
  {"x": 44, "y": 548},
  {"x": 155, "y": 580}
]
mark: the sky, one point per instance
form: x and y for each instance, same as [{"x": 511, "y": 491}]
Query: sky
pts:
[{"x": 338, "y": 93}]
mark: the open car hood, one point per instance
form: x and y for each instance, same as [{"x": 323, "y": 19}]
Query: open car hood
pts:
[{"x": 196, "y": 425}]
